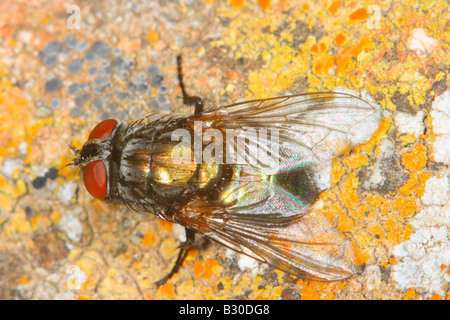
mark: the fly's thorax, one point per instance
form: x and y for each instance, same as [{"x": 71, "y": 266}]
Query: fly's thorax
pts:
[
  {"x": 135, "y": 163},
  {"x": 148, "y": 167}
]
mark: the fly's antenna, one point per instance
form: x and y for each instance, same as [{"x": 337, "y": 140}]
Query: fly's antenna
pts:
[{"x": 73, "y": 150}]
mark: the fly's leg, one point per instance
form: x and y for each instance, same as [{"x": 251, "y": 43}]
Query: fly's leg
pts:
[
  {"x": 187, "y": 99},
  {"x": 182, "y": 254}
]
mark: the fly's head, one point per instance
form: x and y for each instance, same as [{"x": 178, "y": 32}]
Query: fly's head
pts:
[{"x": 94, "y": 158}]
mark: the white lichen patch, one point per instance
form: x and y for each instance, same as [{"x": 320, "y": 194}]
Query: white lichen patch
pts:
[
  {"x": 248, "y": 263},
  {"x": 412, "y": 124},
  {"x": 66, "y": 192},
  {"x": 425, "y": 258},
  {"x": 436, "y": 191},
  {"x": 440, "y": 117},
  {"x": 322, "y": 175},
  {"x": 425, "y": 253},
  {"x": 359, "y": 134},
  {"x": 421, "y": 43},
  {"x": 71, "y": 225},
  {"x": 9, "y": 166},
  {"x": 363, "y": 131}
]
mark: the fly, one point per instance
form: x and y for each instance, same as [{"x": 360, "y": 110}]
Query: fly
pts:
[{"x": 257, "y": 203}]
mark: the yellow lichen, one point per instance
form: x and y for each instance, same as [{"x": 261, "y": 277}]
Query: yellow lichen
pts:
[
  {"x": 406, "y": 206},
  {"x": 423, "y": 178},
  {"x": 345, "y": 224},
  {"x": 356, "y": 160},
  {"x": 416, "y": 158},
  {"x": 348, "y": 196},
  {"x": 407, "y": 188}
]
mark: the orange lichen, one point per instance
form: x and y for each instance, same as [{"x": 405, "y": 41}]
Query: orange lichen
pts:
[
  {"x": 323, "y": 64},
  {"x": 405, "y": 206},
  {"x": 410, "y": 294},
  {"x": 345, "y": 224},
  {"x": 344, "y": 66},
  {"x": 436, "y": 297},
  {"x": 264, "y": 4},
  {"x": 363, "y": 254},
  {"x": 191, "y": 255},
  {"x": 375, "y": 229},
  {"x": 360, "y": 14},
  {"x": 149, "y": 239},
  {"x": 167, "y": 290},
  {"x": 211, "y": 268},
  {"x": 309, "y": 293},
  {"x": 199, "y": 268},
  {"x": 314, "y": 290},
  {"x": 24, "y": 280},
  {"x": 89, "y": 285},
  {"x": 153, "y": 36},
  {"x": 423, "y": 178},
  {"x": 337, "y": 172},
  {"x": 394, "y": 229},
  {"x": 345, "y": 59},
  {"x": 362, "y": 239},
  {"x": 416, "y": 158},
  {"x": 333, "y": 8},
  {"x": 319, "y": 48},
  {"x": 233, "y": 75},
  {"x": 365, "y": 44},
  {"x": 237, "y": 4},
  {"x": 361, "y": 212},
  {"x": 407, "y": 188},
  {"x": 165, "y": 225},
  {"x": 346, "y": 53},
  {"x": 349, "y": 196},
  {"x": 340, "y": 40}
]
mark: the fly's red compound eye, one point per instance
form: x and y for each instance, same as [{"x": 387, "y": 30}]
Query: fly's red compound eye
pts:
[
  {"x": 103, "y": 129},
  {"x": 94, "y": 177}
]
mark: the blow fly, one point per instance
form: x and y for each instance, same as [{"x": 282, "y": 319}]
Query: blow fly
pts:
[{"x": 241, "y": 175}]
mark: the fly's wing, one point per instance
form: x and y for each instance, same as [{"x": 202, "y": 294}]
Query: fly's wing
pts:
[
  {"x": 249, "y": 192},
  {"x": 307, "y": 247},
  {"x": 280, "y": 134},
  {"x": 261, "y": 215}
]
